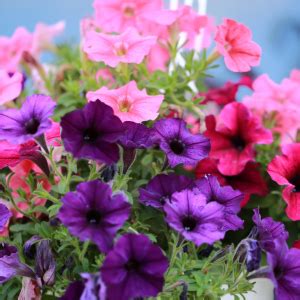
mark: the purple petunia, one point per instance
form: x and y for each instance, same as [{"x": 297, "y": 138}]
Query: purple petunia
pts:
[
  {"x": 29, "y": 122},
  {"x": 94, "y": 213},
  {"x": 195, "y": 219},
  {"x": 92, "y": 132},
  {"x": 269, "y": 231},
  {"x": 161, "y": 187},
  {"x": 226, "y": 196},
  {"x": 134, "y": 268},
  {"x": 136, "y": 136},
  {"x": 179, "y": 144},
  {"x": 10, "y": 264},
  {"x": 5, "y": 215},
  {"x": 285, "y": 271}
]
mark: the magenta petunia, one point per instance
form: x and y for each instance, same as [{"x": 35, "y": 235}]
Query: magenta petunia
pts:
[
  {"x": 134, "y": 268},
  {"x": 92, "y": 132},
  {"x": 94, "y": 213},
  {"x": 196, "y": 220},
  {"x": 29, "y": 122},
  {"x": 179, "y": 144}
]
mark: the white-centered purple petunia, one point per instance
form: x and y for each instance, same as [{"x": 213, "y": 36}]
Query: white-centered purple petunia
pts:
[
  {"x": 226, "y": 196},
  {"x": 161, "y": 187},
  {"x": 29, "y": 122},
  {"x": 179, "y": 144},
  {"x": 92, "y": 132},
  {"x": 94, "y": 213},
  {"x": 196, "y": 220},
  {"x": 134, "y": 268}
]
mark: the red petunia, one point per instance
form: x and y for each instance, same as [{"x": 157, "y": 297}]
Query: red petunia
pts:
[
  {"x": 249, "y": 181},
  {"x": 233, "y": 136},
  {"x": 285, "y": 170}
]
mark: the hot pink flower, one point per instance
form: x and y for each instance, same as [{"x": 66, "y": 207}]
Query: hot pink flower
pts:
[
  {"x": 234, "y": 42},
  {"x": 278, "y": 104},
  {"x": 285, "y": 170},
  {"x": 129, "y": 103},
  {"x": 12, "y": 48},
  {"x": 233, "y": 137},
  {"x": 43, "y": 36},
  {"x": 128, "y": 47},
  {"x": 118, "y": 15},
  {"x": 10, "y": 86}
]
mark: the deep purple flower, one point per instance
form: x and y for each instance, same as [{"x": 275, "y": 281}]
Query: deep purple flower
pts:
[
  {"x": 134, "y": 268},
  {"x": 30, "y": 246},
  {"x": 10, "y": 264},
  {"x": 93, "y": 213},
  {"x": 226, "y": 196},
  {"x": 136, "y": 136},
  {"x": 29, "y": 122},
  {"x": 161, "y": 187},
  {"x": 5, "y": 215},
  {"x": 285, "y": 274},
  {"x": 92, "y": 288},
  {"x": 195, "y": 219},
  {"x": 92, "y": 132},
  {"x": 179, "y": 144},
  {"x": 268, "y": 231}
]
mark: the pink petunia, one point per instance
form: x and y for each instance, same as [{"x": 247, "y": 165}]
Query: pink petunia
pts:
[
  {"x": 12, "y": 48},
  {"x": 233, "y": 136},
  {"x": 128, "y": 47},
  {"x": 10, "y": 86},
  {"x": 234, "y": 42},
  {"x": 118, "y": 15},
  {"x": 285, "y": 170},
  {"x": 129, "y": 103}
]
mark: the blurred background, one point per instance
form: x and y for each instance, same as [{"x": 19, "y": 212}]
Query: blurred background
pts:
[{"x": 275, "y": 25}]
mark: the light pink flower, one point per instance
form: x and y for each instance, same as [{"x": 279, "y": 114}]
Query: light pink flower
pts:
[
  {"x": 128, "y": 47},
  {"x": 118, "y": 15},
  {"x": 158, "y": 58},
  {"x": 129, "y": 103},
  {"x": 234, "y": 42},
  {"x": 278, "y": 103},
  {"x": 43, "y": 36},
  {"x": 10, "y": 86},
  {"x": 295, "y": 75},
  {"x": 12, "y": 48}
]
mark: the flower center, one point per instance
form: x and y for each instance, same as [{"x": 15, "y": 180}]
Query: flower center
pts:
[
  {"x": 90, "y": 135},
  {"x": 296, "y": 182},
  {"x": 189, "y": 223},
  {"x": 93, "y": 217},
  {"x": 278, "y": 272},
  {"x": 129, "y": 11},
  {"x": 238, "y": 143},
  {"x": 132, "y": 265},
  {"x": 177, "y": 146},
  {"x": 120, "y": 48},
  {"x": 32, "y": 126},
  {"x": 162, "y": 200},
  {"x": 124, "y": 105}
]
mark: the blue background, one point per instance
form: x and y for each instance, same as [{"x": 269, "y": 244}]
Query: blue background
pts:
[{"x": 275, "y": 25}]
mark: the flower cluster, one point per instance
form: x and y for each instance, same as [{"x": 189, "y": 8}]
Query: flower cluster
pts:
[{"x": 125, "y": 177}]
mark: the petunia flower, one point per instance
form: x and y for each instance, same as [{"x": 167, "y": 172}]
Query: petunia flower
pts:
[
  {"x": 233, "y": 136},
  {"x": 269, "y": 231},
  {"x": 94, "y": 213},
  {"x": 160, "y": 189},
  {"x": 226, "y": 196},
  {"x": 234, "y": 42},
  {"x": 134, "y": 268},
  {"x": 249, "y": 181},
  {"x": 179, "y": 144},
  {"x": 10, "y": 86},
  {"x": 5, "y": 215},
  {"x": 195, "y": 219},
  {"x": 285, "y": 170},
  {"x": 92, "y": 132},
  {"x": 128, "y": 102},
  {"x": 285, "y": 271},
  {"x": 29, "y": 122},
  {"x": 128, "y": 47}
]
